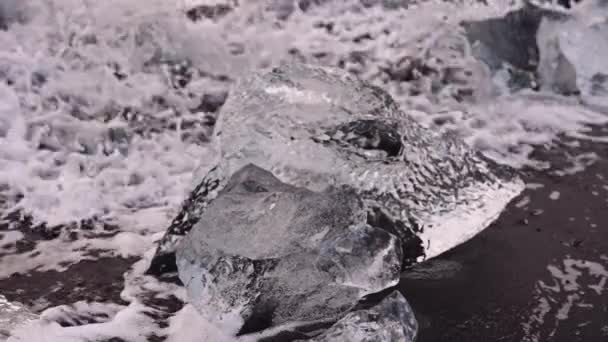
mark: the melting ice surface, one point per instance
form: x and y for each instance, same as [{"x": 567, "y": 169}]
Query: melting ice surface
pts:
[
  {"x": 93, "y": 124},
  {"x": 320, "y": 127},
  {"x": 270, "y": 252}
]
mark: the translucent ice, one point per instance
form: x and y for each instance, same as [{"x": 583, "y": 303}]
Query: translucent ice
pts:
[
  {"x": 550, "y": 49},
  {"x": 271, "y": 253},
  {"x": 316, "y": 128},
  {"x": 510, "y": 42},
  {"x": 390, "y": 320}
]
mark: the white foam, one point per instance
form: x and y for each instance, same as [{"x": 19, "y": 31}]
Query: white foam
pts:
[
  {"x": 65, "y": 185},
  {"x": 180, "y": 329},
  {"x": 129, "y": 324},
  {"x": 10, "y": 237},
  {"x": 574, "y": 285},
  {"x": 12, "y": 316}
]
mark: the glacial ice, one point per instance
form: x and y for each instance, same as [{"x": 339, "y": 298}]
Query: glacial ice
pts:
[
  {"x": 390, "y": 320},
  {"x": 317, "y": 128},
  {"x": 266, "y": 251},
  {"x": 511, "y": 42},
  {"x": 575, "y": 55},
  {"x": 549, "y": 49},
  {"x": 510, "y": 39},
  {"x": 322, "y": 190}
]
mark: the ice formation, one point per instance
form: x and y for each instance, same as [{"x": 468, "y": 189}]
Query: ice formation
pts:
[
  {"x": 573, "y": 57},
  {"x": 317, "y": 128},
  {"x": 269, "y": 252},
  {"x": 315, "y": 167},
  {"x": 390, "y": 320}
]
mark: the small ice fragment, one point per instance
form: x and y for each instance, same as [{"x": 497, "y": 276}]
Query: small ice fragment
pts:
[
  {"x": 537, "y": 212},
  {"x": 554, "y": 195},
  {"x": 534, "y": 186},
  {"x": 322, "y": 128},
  {"x": 523, "y": 202}
]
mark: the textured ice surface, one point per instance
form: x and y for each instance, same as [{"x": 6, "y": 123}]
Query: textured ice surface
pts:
[
  {"x": 316, "y": 128},
  {"x": 390, "y": 320},
  {"x": 266, "y": 250}
]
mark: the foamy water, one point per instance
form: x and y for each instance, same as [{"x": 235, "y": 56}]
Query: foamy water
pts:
[
  {"x": 93, "y": 126},
  {"x": 574, "y": 286}
]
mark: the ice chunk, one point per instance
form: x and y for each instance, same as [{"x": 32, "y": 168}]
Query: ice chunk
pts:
[
  {"x": 574, "y": 56},
  {"x": 316, "y": 127},
  {"x": 390, "y": 320},
  {"x": 512, "y": 38},
  {"x": 559, "y": 51},
  {"x": 510, "y": 41},
  {"x": 270, "y": 253}
]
